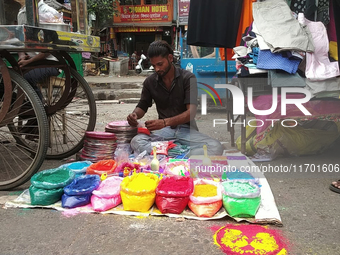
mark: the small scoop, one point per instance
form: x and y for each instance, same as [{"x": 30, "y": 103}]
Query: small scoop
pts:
[{"x": 206, "y": 161}]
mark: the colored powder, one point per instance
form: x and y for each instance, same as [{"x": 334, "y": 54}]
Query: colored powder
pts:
[
  {"x": 59, "y": 176},
  {"x": 141, "y": 182},
  {"x": 239, "y": 188},
  {"x": 250, "y": 239},
  {"x": 104, "y": 165},
  {"x": 78, "y": 165},
  {"x": 84, "y": 183},
  {"x": 174, "y": 184},
  {"x": 239, "y": 175},
  {"x": 205, "y": 190},
  {"x": 110, "y": 185}
]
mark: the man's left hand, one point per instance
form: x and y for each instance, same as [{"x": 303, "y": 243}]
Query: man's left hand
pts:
[
  {"x": 154, "y": 124},
  {"x": 23, "y": 62}
]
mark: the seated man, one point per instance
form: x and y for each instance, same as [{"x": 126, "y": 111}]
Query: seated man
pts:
[{"x": 174, "y": 91}]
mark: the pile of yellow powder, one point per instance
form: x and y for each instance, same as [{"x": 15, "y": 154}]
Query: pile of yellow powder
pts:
[
  {"x": 205, "y": 190},
  {"x": 140, "y": 182}
]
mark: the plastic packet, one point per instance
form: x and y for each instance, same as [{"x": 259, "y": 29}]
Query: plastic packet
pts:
[
  {"x": 53, "y": 178},
  {"x": 75, "y": 201},
  {"x": 101, "y": 167},
  {"x": 107, "y": 195},
  {"x": 206, "y": 206},
  {"x": 241, "y": 198},
  {"x": 78, "y": 167},
  {"x": 45, "y": 196},
  {"x": 82, "y": 185},
  {"x": 161, "y": 147},
  {"x": 138, "y": 192},
  {"x": 122, "y": 152},
  {"x": 206, "y": 200}
]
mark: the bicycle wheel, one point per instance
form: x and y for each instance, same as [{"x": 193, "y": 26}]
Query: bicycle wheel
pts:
[
  {"x": 70, "y": 122},
  {"x": 23, "y": 133}
]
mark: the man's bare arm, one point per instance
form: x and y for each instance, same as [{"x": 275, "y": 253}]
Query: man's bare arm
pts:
[{"x": 179, "y": 119}]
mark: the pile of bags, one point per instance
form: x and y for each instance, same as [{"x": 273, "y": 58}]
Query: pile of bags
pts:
[{"x": 76, "y": 186}]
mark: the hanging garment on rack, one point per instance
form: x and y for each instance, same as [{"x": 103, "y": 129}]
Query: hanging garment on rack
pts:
[
  {"x": 315, "y": 10},
  {"x": 323, "y": 11},
  {"x": 299, "y": 6},
  {"x": 270, "y": 61},
  {"x": 336, "y": 11},
  {"x": 331, "y": 25},
  {"x": 214, "y": 23},
  {"x": 318, "y": 66},
  {"x": 245, "y": 20},
  {"x": 278, "y": 27}
]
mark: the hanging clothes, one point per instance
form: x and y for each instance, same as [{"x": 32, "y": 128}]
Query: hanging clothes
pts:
[
  {"x": 245, "y": 21},
  {"x": 318, "y": 66},
  {"x": 278, "y": 27},
  {"x": 336, "y": 11},
  {"x": 214, "y": 23},
  {"x": 315, "y": 10},
  {"x": 331, "y": 25}
]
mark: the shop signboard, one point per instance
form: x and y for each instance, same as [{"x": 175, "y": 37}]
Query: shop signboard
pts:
[
  {"x": 144, "y": 13},
  {"x": 137, "y": 29},
  {"x": 183, "y": 11}
]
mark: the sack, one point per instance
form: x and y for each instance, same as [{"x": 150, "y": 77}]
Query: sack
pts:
[
  {"x": 251, "y": 148},
  {"x": 101, "y": 167},
  {"x": 75, "y": 201},
  {"x": 175, "y": 205},
  {"x": 44, "y": 196},
  {"x": 172, "y": 194},
  {"x": 205, "y": 210},
  {"x": 241, "y": 198},
  {"x": 101, "y": 204},
  {"x": 107, "y": 195},
  {"x": 52, "y": 178},
  {"x": 206, "y": 206},
  {"x": 82, "y": 185},
  {"x": 138, "y": 192},
  {"x": 206, "y": 200}
]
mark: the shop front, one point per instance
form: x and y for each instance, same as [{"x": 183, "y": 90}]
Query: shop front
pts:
[{"x": 141, "y": 22}]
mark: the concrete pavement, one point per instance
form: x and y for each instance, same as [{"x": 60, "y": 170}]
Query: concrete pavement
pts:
[
  {"x": 125, "y": 89},
  {"x": 309, "y": 210}
]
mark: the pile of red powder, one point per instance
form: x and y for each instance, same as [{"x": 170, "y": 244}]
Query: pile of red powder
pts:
[{"x": 176, "y": 184}]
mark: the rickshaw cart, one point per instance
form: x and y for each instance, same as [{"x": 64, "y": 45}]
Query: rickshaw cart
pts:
[{"x": 31, "y": 128}]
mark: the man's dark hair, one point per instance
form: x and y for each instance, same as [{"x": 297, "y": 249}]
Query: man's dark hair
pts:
[{"x": 159, "y": 48}]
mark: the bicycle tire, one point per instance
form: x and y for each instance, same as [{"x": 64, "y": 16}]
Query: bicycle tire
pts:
[
  {"x": 19, "y": 162},
  {"x": 60, "y": 151}
]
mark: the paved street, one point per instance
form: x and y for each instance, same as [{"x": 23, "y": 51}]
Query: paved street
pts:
[{"x": 309, "y": 210}]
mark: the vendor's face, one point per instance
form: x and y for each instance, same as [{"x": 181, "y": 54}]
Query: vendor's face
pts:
[{"x": 161, "y": 64}]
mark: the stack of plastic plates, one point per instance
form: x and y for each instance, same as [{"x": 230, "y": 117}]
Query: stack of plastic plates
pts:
[
  {"x": 99, "y": 146},
  {"x": 123, "y": 131}
]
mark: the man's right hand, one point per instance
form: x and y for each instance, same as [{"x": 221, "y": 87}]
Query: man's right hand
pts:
[{"x": 132, "y": 119}]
